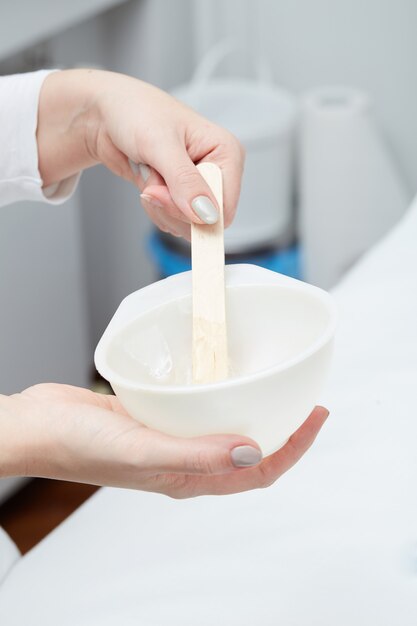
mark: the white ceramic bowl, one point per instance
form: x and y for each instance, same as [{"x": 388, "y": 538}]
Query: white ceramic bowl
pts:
[{"x": 280, "y": 343}]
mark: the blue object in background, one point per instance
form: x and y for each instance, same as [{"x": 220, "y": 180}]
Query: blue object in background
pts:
[{"x": 170, "y": 261}]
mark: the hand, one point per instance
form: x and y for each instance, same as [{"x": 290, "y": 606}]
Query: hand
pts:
[
  {"x": 92, "y": 116},
  {"x": 59, "y": 431}
]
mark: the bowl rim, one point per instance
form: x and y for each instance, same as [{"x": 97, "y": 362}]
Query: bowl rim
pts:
[{"x": 100, "y": 356}]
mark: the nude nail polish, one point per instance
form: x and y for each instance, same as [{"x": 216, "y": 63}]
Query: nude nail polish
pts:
[
  {"x": 205, "y": 209},
  {"x": 245, "y": 456},
  {"x": 145, "y": 171},
  {"x": 151, "y": 200},
  {"x": 134, "y": 167}
]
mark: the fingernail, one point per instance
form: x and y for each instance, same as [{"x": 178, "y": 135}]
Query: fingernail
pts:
[
  {"x": 245, "y": 456},
  {"x": 325, "y": 411},
  {"x": 140, "y": 168},
  {"x": 145, "y": 171},
  {"x": 151, "y": 200},
  {"x": 134, "y": 167},
  {"x": 205, "y": 209}
]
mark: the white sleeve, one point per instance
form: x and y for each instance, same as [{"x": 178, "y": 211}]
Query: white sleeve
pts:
[{"x": 19, "y": 174}]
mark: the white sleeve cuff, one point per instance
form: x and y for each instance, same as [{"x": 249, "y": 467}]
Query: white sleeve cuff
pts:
[{"x": 19, "y": 173}]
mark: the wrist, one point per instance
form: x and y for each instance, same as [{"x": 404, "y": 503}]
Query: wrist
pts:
[
  {"x": 13, "y": 444},
  {"x": 28, "y": 445},
  {"x": 67, "y": 114}
]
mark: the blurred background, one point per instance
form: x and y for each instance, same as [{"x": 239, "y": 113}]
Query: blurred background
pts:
[{"x": 323, "y": 95}]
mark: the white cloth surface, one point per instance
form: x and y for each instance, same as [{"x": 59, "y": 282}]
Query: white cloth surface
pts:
[
  {"x": 19, "y": 174},
  {"x": 332, "y": 543}
]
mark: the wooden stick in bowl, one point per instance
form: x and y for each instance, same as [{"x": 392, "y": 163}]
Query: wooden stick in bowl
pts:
[{"x": 209, "y": 353}]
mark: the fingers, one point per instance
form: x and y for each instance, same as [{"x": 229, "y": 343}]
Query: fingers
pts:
[
  {"x": 263, "y": 474},
  {"x": 175, "y": 184},
  {"x": 230, "y": 157},
  {"x": 145, "y": 175},
  {"x": 188, "y": 189},
  {"x": 211, "y": 455},
  {"x": 159, "y": 195},
  {"x": 157, "y": 202},
  {"x": 165, "y": 222},
  {"x": 280, "y": 462},
  {"x": 207, "y": 459}
]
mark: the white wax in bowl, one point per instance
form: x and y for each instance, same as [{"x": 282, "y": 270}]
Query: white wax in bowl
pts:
[{"x": 265, "y": 328}]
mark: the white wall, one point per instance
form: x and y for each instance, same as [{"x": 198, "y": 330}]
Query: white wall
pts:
[
  {"x": 64, "y": 270},
  {"x": 149, "y": 39},
  {"x": 43, "y": 314},
  {"x": 371, "y": 44},
  {"x": 368, "y": 43}
]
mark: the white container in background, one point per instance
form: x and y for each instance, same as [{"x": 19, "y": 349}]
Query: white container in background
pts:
[
  {"x": 351, "y": 192},
  {"x": 263, "y": 118}
]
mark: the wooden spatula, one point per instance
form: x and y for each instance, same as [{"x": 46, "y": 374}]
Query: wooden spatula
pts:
[{"x": 210, "y": 358}]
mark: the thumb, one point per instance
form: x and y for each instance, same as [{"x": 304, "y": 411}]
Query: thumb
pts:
[
  {"x": 210, "y": 455},
  {"x": 187, "y": 187}
]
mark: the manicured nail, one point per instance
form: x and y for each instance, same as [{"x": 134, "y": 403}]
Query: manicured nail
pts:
[
  {"x": 245, "y": 456},
  {"x": 140, "y": 168},
  {"x": 134, "y": 167},
  {"x": 325, "y": 411},
  {"x": 205, "y": 209},
  {"x": 145, "y": 171},
  {"x": 151, "y": 200}
]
